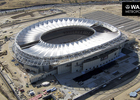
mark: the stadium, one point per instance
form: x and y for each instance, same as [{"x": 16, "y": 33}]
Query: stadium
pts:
[{"x": 64, "y": 45}]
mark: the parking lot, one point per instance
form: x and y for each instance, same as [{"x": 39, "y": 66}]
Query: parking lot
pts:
[
  {"x": 43, "y": 90},
  {"x": 128, "y": 25}
]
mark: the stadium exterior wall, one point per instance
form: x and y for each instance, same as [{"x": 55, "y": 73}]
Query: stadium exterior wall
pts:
[{"x": 80, "y": 65}]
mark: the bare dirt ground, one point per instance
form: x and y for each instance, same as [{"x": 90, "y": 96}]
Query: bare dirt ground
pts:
[
  {"x": 72, "y": 11},
  {"x": 5, "y": 95},
  {"x": 11, "y": 4}
]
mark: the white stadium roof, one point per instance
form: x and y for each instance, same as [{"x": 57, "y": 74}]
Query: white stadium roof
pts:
[
  {"x": 56, "y": 50},
  {"x": 47, "y": 50}
]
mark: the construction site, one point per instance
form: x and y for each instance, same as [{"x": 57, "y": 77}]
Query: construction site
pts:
[{"x": 66, "y": 86}]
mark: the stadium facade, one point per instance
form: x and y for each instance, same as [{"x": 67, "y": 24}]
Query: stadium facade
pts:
[{"x": 67, "y": 45}]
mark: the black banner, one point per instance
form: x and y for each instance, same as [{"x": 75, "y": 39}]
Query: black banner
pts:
[{"x": 130, "y": 8}]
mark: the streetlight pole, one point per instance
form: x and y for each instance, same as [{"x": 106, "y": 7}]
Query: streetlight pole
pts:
[{"x": 80, "y": 12}]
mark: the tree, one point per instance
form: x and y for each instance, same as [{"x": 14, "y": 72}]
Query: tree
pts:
[{"x": 5, "y": 37}]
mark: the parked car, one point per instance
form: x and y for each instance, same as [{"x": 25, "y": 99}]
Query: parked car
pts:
[
  {"x": 40, "y": 96},
  {"x": 27, "y": 85},
  {"x": 21, "y": 90},
  {"x": 32, "y": 93},
  {"x": 44, "y": 90},
  {"x": 53, "y": 89},
  {"x": 30, "y": 90},
  {"x": 38, "y": 86},
  {"x": 48, "y": 91},
  {"x": 45, "y": 93}
]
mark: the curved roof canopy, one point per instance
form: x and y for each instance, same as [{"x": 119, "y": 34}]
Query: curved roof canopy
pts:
[{"x": 43, "y": 49}]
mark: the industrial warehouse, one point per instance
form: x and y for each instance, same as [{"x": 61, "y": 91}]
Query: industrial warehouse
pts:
[{"x": 67, "y": 45}]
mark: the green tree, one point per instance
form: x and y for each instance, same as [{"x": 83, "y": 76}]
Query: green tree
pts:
[{"x": 5, "y": 37}]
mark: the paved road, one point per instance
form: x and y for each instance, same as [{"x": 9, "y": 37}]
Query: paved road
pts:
[{"x": 110, "y": 89}]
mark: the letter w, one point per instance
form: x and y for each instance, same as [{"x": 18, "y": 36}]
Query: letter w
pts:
[{"x": 134, "y": 6}]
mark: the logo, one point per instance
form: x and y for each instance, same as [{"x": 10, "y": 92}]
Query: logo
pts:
[
  {"x": 130, "y": 8},
  {"x": 135, "y": 7},
  {"x": 127, "y": 7}
]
